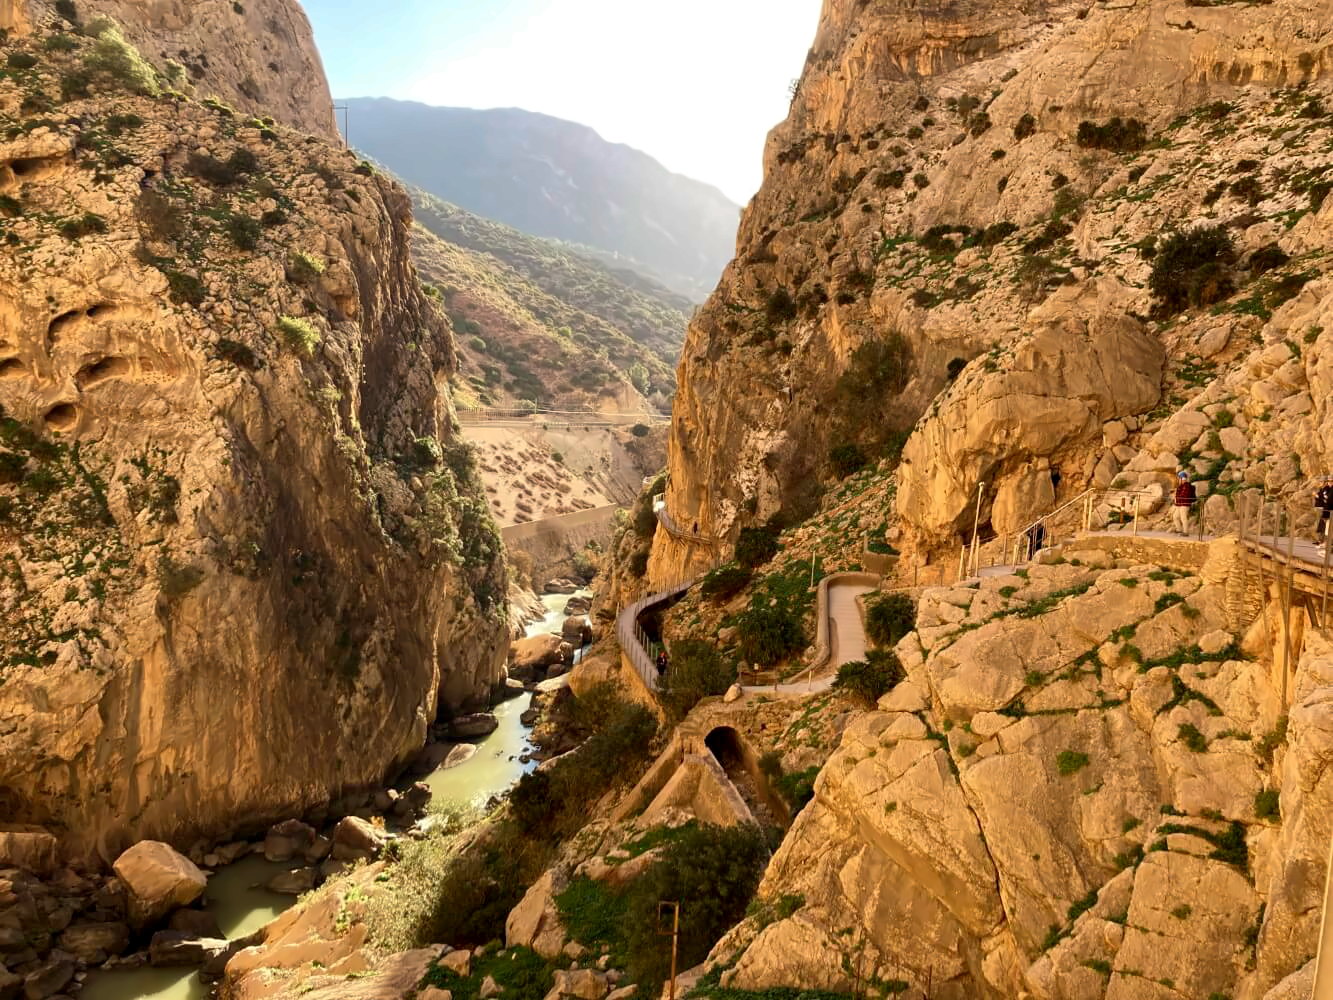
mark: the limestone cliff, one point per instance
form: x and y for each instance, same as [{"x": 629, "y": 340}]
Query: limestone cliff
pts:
[
  {"x": 258, "y": 56},
  {"x": 944, "y": 170},
  {"x": 1083, "y": 789},
  {"x": 244, "y": 554}
]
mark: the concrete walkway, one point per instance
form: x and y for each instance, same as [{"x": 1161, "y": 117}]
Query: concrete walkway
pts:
[{"x": 847, "y": 636}]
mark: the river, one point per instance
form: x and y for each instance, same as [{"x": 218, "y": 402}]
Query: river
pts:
[{"x": 236, "y": 893}]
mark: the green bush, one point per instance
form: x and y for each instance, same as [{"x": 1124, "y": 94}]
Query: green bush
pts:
[
  {"x": 304, "y": 268},
  {"x": 67, "y": 10},
  {"x": 847, "y": 459},
  {"x": 1193, "y": 739},
  {"x": 1069, "y": 762},
  {"x": 1267, "y": 258},
  {"x": 12, "y": 466},
  {"x": 725, "y": 582},
  {"x": 554, "y": 802},
  {"x": 1190, "y": 269},
  {"x": 756, "y": 546},
  {"x": 1117, "y": 135},
  {"x": 870, "y": 679},
  {"x": 697, "y": 670},
  {"x": 115, "y": 58},
  {"x": 780, "y": 307},
  {"x": 638, "y": 562},
  {"x": 877, "y": 369},
  {"x": 21, "y": 60},
  {"x": 1266, "y": 804},
  {"x": 1026, "y": 126},
  {"x": 639, "y": 430},
  {"x": 299, "y": 334},
  {"x": 520, "y": 973},
  {"x": 713, "y": 872},
  {"x": 889, "y": 619},
  {"x": 768, "y": 635},
  {"x": 243, "y": 231},
  {"x": 87, "y": 224},
  {"x": 223, "y": 173}
]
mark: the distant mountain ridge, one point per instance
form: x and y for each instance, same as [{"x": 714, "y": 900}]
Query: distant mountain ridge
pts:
[{"x": 556, "y": 179}]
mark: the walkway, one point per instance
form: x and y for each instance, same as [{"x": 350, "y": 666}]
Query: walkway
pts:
[{"x": 490, "y": 414}]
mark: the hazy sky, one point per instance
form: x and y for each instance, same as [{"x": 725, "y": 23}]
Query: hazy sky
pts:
[{"x": 695, "y": 83}]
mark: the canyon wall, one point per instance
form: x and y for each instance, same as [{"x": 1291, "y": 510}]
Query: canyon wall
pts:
[{"x": 245, "y": 555}]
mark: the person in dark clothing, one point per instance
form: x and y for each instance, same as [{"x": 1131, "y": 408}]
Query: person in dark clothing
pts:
[
  {"x": 1323, "y": 501},
  {"x": 1036, "y": 539},
  {"x": 661, "y": 663},
  {"x": 1185, "y": 499}
]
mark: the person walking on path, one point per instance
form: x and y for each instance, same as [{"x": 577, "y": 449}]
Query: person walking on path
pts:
[
  {"x": 1323, "y": 501},
  {"x": 1185, "y": 499},
  {"x": 661, "y": 663}
]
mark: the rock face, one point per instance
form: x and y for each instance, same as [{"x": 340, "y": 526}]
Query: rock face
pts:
[
  {"x": 946, "y": 168},
  {"x": 259, "y": 56},
  {"x": 248, "y": 557},
  {"x": 1076, "y": 808}
]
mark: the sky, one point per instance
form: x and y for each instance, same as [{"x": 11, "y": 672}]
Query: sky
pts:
[{"x": 696, "y": 84}]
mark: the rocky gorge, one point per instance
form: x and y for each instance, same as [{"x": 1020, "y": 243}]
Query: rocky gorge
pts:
[{"x": 1006, "y": 259}]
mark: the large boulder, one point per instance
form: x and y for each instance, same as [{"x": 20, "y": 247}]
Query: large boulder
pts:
[
  {"x": 1085, "y": 364},
  {"x": 529, "y": 657},
  {"x": 535, "y": 922},
  {"x": 159, "y": 880},
  {"x": 474, "y": 726},
  {"x": 288, "y": 839},
  {"x": 31, "y": 848},
  {"x": 48, "y": 979},
  {"x": 355, "y": 839},
  {"x": 94, "y": 943}
]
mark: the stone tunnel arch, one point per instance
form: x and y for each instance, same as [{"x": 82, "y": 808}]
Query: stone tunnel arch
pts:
[{"x": 735, "y": 756}]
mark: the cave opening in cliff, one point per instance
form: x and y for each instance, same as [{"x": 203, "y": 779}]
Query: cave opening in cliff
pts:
[{"x": 62, "y": 417}]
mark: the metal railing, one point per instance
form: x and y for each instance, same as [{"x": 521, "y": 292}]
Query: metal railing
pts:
[
  {"x": 483, "y": 414},
  {"x": 1076, "y": 514},
  {"x": 669, "y": 523}
]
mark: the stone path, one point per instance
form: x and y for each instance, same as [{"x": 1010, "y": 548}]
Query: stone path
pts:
[{"x": 847, "y": 637}]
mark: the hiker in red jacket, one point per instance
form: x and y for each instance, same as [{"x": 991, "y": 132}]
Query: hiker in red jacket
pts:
[{"x": 1185, "y": 500}]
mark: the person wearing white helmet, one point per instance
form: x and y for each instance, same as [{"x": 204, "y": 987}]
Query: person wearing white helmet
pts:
[{"x": 1185, "y": 499}]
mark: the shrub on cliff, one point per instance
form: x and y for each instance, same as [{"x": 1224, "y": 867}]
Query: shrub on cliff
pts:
[
  {"x": 756, "y": 546},
  {"x": 713, "y": 871},
  {"x": 870, "y": 679},
  {"x": 847, "y": 459},
  {"x": 116, "y": 59},
  {"x": 1118, "y": 135},
  {"x": 768, "y": 635},
  {"x": 298, "y": 334},
  {"x": 725, "y": 582},
  {"x": 1190, "y": 269},
  {"x": 697, "y": 671},
  {"x": 554, "y": 802},
  {"x": 877, "y": 368},
  {"x": 889, "y": 619}
]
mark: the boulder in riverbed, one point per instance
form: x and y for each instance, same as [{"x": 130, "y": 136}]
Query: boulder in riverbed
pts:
[
  {"x": 200, "y": 923},
  {"x": 175, "y": 948},
  {"x": 471, "y": 727},
  {"x": 48, "y": 979},
  {"x": 94, "y": 943},
  {"x": 287, "y": 839},
  {"x": 355, "y": 838},
  {"x": 578, "y": 605},
  {"x": 529, "y": 657},
  {"x": 293, "y": 883},
  {"x": 560, "y": 586},
  {"x": 31, "y": 848},
  {"x": 159, "y": 880}
]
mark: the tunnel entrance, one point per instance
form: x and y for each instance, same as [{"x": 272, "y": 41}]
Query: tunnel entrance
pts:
[{"x": 728, "y": 749}]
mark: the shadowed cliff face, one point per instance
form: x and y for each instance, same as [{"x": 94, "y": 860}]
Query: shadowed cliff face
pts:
[
  {"x": 243, "y": 555},
  {"x": 964, "y": 116},
  {"x": 258, "y": 56}
]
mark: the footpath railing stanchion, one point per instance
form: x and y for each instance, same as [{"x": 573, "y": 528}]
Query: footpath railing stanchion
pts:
[{"x": 1323, "y": 607}]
